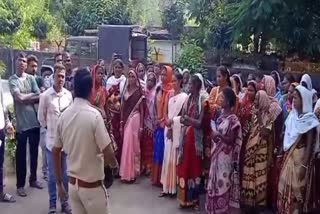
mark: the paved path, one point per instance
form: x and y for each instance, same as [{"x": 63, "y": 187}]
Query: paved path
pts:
[{"x": 139, "y": 198}]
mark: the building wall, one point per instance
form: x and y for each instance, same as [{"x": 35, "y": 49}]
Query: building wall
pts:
[{"x": 164, "y": 51}]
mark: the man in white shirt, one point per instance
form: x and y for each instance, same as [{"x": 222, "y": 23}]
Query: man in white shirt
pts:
[
  {"x": 4, "y": 123},
  {"x": 52, "y": 103}
]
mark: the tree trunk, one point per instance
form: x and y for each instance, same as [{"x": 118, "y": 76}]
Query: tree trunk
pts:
[{"x": 256, "y": 39}]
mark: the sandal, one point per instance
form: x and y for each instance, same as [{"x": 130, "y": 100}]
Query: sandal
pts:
[
  {"x": 6, "y": 198},
  {"x": 162, "y": 195}
]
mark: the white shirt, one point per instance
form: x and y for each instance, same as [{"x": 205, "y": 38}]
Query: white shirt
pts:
[{"x": 51, "y": 105}]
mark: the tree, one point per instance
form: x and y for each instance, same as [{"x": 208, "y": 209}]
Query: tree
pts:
[
  {"x": 173, "y": 19},
  {"x": 10, "y": 17},
  {"x": 40, "y": 28},
  {"x": 299, "y": 28},
  {"x": 191, "y": 56},
  {"x": 89, "y": 14}
]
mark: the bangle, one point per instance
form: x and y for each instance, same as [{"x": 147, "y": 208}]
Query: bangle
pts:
[{"x": 304, "y": 166}]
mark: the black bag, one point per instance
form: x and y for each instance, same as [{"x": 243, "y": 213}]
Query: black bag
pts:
[{"x": 108, "y": 177}]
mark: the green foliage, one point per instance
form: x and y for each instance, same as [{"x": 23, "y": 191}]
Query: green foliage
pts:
[
  {"x": 11, "y": 141},
  {"x": 89, "y": 14},
  {"x": 10, "y": 17},
  {"x": 173, "y": 18},
  {"x": 191, "y": 56},
  {"x": 40, "y": 28},
  {"x": 145, "y": 12}
]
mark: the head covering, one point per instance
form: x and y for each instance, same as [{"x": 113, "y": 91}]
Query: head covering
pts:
[
  {"x": 179, "y": 70},
  {"x": 150, "y": 117},
  {"x": 268, "y": 107},
  {"x": 135, "y": 75},
  {"x": 307, "y": 80},
  {"x": 98, "y": 94},
  {"x": 269, "y": 85},
  {"x": 314, "y": 95},
  {"x": 203, "y": 87},
  {"x": 166, "y": 86},
  {"x": 278, "y": 77},
  {"x": 203, "y": 92},
  {"x": 297, "y": 125},
  {"x": 185, "y": 71},
  {"x": 167, "y": 83}
]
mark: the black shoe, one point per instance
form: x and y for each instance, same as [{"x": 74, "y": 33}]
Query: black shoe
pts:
[
  {"x": 36, "y": 184},
  {"x": 52, "y": 210}
]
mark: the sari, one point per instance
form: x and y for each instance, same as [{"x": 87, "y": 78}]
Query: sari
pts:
[
  {"x": 190, "y": 153},
  {"x": 99, "y": 94},
  {"x": 115, "y": 86},
  {"x": 130, "y": 115},
  {"x": 292, "y": 191},
  {"x": 169, "y": 173},
  {"x": 256, "y": 158},
  {"x": 211, "y": 110},
  {"x": 245, "y": 117},
  {"x": 148, "y": 131},
  {"x": 162, "y": 98},
  {"x": 223, "y": 190},
  {"x": 269, "y": 85}
]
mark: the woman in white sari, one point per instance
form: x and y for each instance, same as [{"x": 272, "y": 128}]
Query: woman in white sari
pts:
[{"x": 172, "y": 136}]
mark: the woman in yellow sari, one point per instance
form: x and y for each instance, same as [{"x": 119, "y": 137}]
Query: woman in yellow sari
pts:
[{"x": 298, "y": 145}]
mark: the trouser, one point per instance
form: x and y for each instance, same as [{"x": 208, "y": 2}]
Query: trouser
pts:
[
  {"x": 88, "y": 200},
  {"x": 2, "y": 148},
  {"x": 52, "y": 189},
  {"x": 42, "y": 143},
  {"x": 32, "y": 136}
]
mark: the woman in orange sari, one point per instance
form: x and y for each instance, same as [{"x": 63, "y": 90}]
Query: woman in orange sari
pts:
[{"x": 162, "y": 98}]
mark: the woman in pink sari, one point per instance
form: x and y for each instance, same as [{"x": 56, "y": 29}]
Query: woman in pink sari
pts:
[
  {"x": 172, "y": 136},
  {"x": 131, "y": 127},
  {"x": 223, "y": 190}
]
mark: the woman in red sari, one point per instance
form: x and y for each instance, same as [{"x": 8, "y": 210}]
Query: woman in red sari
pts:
[
  {"x": 116, "y": 83},
  {"x": 99, "y": 96},
  {"x": 191, "y": 148}
]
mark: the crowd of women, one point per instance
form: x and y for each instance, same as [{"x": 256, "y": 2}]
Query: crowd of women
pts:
[{"x": 250, "y": 146}]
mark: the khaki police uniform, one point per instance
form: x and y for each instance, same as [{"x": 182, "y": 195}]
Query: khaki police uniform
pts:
[{"x": 82, "y": 135}]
